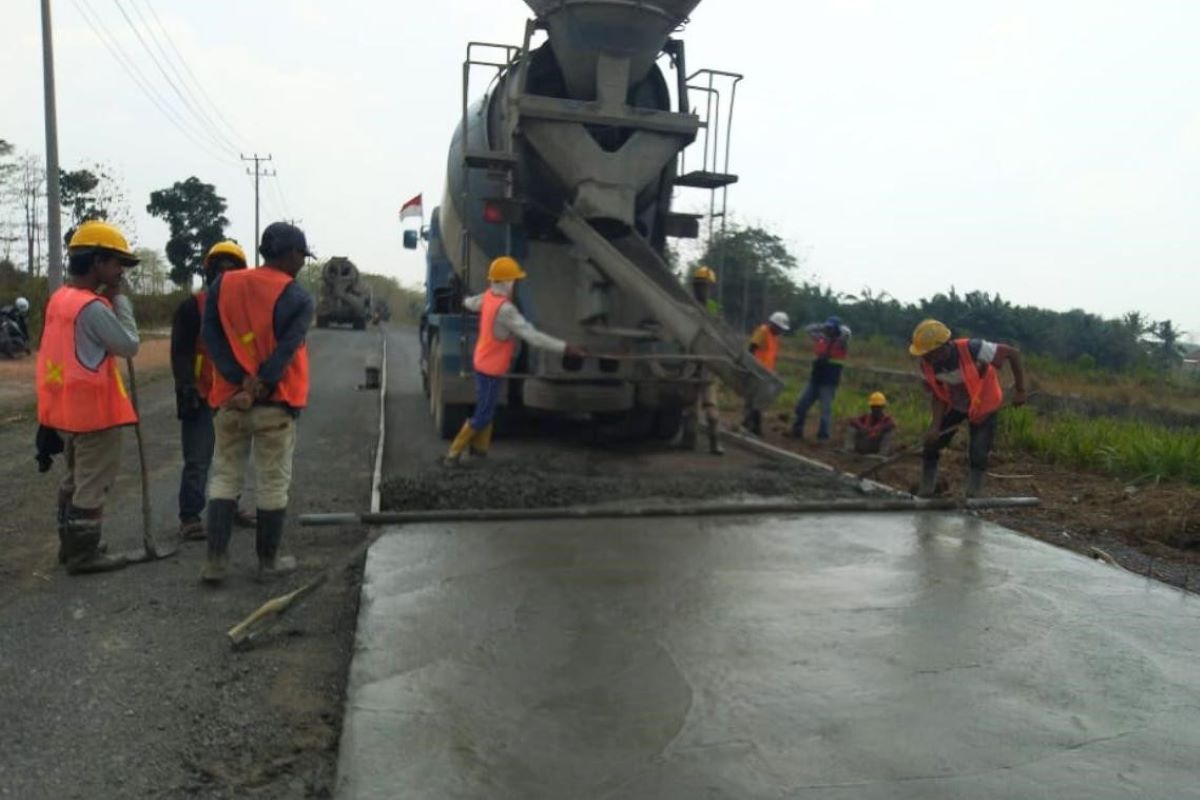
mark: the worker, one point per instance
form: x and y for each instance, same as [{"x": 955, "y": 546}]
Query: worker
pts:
[
  {"x": 764, "y": 344},
  {"x": 500, "y": 326},
  {"x": 255, "y": 322},
  {"x": 703, "y": 281},
  {"x": 193, "y": 370},
  {"x": 81, "y": 395},
  {"x": 831, "y": 341},
  {"x": 871, "y": 433},
  {"x": 963, "y": 377}
]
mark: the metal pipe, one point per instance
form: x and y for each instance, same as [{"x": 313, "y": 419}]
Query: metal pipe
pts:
[{"x": 703, "y": 509}]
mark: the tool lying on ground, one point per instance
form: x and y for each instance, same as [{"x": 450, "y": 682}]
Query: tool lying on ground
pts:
[
  {"x": 150, "y": 551},
  {"x": 258, "y": 623}
]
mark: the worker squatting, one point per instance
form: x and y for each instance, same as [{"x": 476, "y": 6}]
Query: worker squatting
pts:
[{"x": 240, "y": 365}]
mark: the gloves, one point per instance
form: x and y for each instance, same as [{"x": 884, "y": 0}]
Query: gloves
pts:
[{"x": 49, "y": 444}]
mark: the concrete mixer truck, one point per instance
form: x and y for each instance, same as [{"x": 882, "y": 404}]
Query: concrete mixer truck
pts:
[
  {"x": 345, "y": 299},
  {"x": 569, "y": 163}
]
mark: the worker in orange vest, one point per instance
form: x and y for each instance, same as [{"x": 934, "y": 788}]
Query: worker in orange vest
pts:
[
  {"x": 831, "y": 340},
  {"x": 193, "y": 370},
  {"x": 963, "y": 378},
  {"x": 764, "y": 344},
  {"x": 255, "y": 323},
  {"x": 501, "y": 325},
  {"x": 704, "y": 280},
  {"x": 871, "y": 433},
  {"x": 81, "y": 394}
]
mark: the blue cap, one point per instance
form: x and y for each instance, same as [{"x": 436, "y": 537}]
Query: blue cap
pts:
[{"x": 833, "y": 322}]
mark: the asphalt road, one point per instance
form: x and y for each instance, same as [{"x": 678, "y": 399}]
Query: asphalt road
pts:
[{"x": 122, "y": 685}]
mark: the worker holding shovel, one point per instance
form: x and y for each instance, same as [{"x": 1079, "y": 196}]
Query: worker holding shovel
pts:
[{"x": 963, "y": 376}]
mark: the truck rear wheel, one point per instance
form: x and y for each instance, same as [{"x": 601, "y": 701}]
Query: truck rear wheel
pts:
[{"x": 448, "y": 418}]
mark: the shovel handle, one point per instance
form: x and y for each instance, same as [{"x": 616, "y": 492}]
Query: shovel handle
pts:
[{"x": 147, "y": 535}]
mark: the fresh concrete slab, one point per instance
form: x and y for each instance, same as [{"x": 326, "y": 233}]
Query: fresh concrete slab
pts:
[{"x": 886, "y": 656}]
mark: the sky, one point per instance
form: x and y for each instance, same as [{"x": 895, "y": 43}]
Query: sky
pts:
[{"x": 1048, "y": 151}]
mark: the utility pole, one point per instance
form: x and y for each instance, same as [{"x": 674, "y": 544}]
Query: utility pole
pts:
[
  {"x": 257, "y": 173},
  {"x": 53, "y": 196}
]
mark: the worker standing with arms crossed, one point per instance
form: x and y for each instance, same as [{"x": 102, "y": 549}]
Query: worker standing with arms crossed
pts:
[
  {"x": 81, "y": 394},
  {"x": 255, "y": 322},
  {"x": 703, "y": 281},
  {"x": 501, "y": 325},
  {"x": 764, "y": 344},
  {"x": 963, "y": 376},
  {"x": 193, "y": 370}
]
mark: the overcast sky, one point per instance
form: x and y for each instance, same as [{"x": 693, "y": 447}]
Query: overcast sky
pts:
[{"x": 1049, "y": 151}]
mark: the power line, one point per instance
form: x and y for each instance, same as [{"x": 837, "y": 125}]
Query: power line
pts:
[
  {"x": 278, "y": 187},
  {"x": 195, "y": 81},
  {"x": 131, "y": 69},
  {"x": 178, "y": 93},
  {"x": 258, "y": 173}
]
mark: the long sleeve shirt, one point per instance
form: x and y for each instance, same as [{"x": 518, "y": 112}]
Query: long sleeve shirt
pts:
[
  {"x": 290, "y": 320},
  {"x": 100, "y": 332},
  {"x": 185, "y": 333},
  {"x": 510, "y": 322}
]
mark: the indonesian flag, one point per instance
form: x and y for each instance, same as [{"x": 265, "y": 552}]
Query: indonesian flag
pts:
[{"x": 412, "y": 209}]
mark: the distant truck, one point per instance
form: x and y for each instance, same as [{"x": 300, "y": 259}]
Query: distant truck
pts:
[{"x": 345, "y": 297}]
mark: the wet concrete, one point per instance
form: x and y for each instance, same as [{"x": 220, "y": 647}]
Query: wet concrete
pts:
[{"x": 888, "y": 656}]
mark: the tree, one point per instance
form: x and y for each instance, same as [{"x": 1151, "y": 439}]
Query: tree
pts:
[
  {"x": 150, "y": 277},
  {"x": 195, "y": 214},
  {"x": 1168, "y": 352},
  {"x": 31, "y": 183},
  {"x": 754, "y": 269}
]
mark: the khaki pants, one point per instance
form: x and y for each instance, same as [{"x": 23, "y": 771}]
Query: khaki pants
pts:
[
  {"x": 93, "y": 460},
  {"x": 706, "y": 402},
  {"x": 270, "y": 431}
]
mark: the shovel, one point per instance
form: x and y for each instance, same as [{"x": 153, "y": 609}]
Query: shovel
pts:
[{"x": 150, "y": 551}]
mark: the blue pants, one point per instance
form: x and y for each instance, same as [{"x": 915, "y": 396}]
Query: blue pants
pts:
[
  {"x": 487, "y": 392},
  {"x": 812, "y": 394},
  {"x": 198, "y": 441}
]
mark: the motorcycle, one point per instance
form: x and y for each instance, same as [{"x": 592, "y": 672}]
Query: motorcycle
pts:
[{"x": 13, "y": 342}]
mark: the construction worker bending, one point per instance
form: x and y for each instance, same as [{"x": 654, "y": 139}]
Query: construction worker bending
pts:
[
  {"x": 80, "y": 392},
  {"x": 703, "y": 281},
  {"x": 964, "y": 380},
  {"x": 871, "y": 433},
  {"x": 255, "y": 321},
  {"x": 500, "y": 326},
  {"x": 193, "y": 370},
  {"x": 831, "y": 343},
  {"x": 764, "y": 344}
]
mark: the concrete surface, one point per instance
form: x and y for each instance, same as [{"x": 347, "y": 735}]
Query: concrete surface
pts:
[{"x": 897, "y": 656}]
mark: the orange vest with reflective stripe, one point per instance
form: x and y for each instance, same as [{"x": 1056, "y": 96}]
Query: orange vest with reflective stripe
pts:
[
  {"x": 769, "y": 352},
  {"x": 985, "y": 392},
  {"x": 493, "y": 356},
  {"x": 204, "y": 369},
  {"x": 71, "y": 397},
  {"x": 246, "y": 306}
]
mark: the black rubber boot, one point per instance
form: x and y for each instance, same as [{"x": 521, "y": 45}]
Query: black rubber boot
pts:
[
  {"x": 714, "y": 438},
  {"x": 266, "y": 544},
  {"x": 928, "y": 485},
  {"x": 974, "y": 482},
  {"x": 64, "y": 506},
  {"x": 81, "y": 541},
  {"x": 218, "y": 532}
]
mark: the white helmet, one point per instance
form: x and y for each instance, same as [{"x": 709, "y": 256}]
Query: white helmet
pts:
[
  {"x": 780, "y": 320},
  {"x": 22, "y": 305}
]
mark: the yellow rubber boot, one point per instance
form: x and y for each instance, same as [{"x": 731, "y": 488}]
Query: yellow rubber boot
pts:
[
  {"x": 464, "y": 437},
  {"x": 481, "y": 442}
]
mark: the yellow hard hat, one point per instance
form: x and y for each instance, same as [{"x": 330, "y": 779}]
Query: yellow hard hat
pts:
[
  {"x": 928, "y": 336},
  {"x": 505, "y": 268},
  {"x": 102, "y": 236},
  {"x": 226, "y": 248},
  {"x": 704, "y": 274},
  {"x": 877, "y": 400}
]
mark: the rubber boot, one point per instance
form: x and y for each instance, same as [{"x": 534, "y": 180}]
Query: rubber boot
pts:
[
  {"x": 82, "y": 531},
  {"x": 218, "y": 532},
  {"x": 244, "y": 519},
  {"x": 64, "y": 505},
  {"x": 714, "y": 438},
  {"x": 481, "y": 442},
  {"x": 266, "y": 544},
  {"x": 974, "y": 482},
  {"x": 465, "y": 434},
  {"x": 928, "y": 485}
]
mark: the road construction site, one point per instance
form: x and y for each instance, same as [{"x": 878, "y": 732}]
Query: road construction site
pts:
[{"x": 746, "y": 655}]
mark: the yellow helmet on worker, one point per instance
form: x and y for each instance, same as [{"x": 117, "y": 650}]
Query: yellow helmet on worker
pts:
[
  {"x": 704, "y": 274},
  {"x": 877, "y": 400},
  {"x": 103, "y": 236},
  {"x": 226, "y": 248},
  {"x": 505, "y": 268},
  {"x": 928, "y": 336}
]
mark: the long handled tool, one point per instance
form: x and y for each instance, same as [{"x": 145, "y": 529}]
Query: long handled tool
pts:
[{"x": 150, "y": 550}]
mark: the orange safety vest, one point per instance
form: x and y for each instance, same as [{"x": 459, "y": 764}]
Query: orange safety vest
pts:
[
  {"x": 204, "y": 369},
  {"x": 985, "y": 392},
  {"x": 493, "y": 356},
  {"x": 71, "y": 397},
  {"x": 246, "y": 306},
  {"x": 768, "y": 353},
  {"x": 833, "y": 349}
]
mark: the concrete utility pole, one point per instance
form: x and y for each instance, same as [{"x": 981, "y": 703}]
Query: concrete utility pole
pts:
[
  {"x": 257, "y": 173},
  {"x": 53, "y": 196}
]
